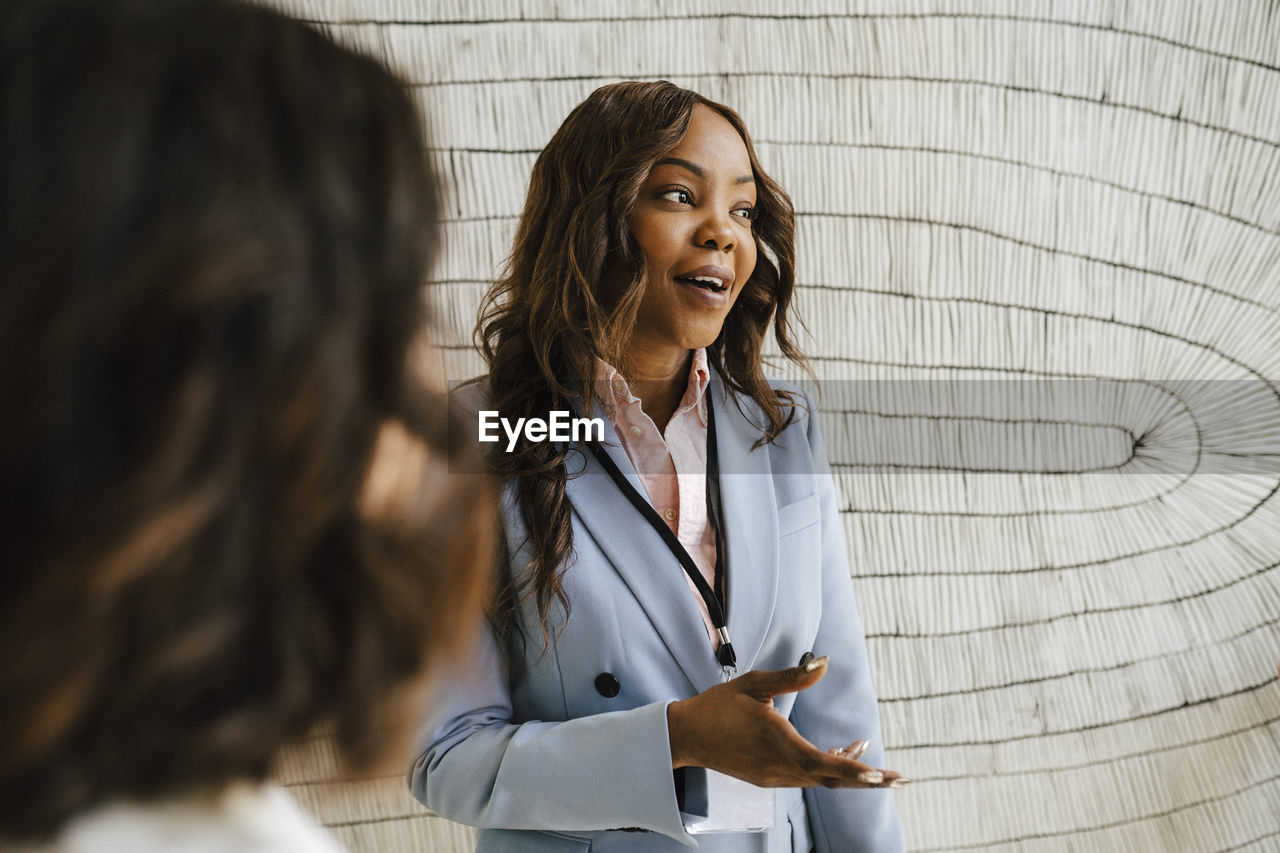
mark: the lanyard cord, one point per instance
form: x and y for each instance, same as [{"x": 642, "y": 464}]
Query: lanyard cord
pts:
[{"x": 714, "y": 599}]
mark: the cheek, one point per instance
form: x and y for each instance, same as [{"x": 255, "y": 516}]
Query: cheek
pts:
[
  {"x": 747, "y": 261},
  {"x": 657, "y": 241}
]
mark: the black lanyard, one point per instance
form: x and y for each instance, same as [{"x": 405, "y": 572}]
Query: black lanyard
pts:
[{"x": 713, "y": 598}]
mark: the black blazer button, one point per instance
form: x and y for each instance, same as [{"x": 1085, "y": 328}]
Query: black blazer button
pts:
[{"x": 607, "y": 685}]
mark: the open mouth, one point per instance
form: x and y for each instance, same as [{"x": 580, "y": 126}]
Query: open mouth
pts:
[{"x": 706, "y": 282}]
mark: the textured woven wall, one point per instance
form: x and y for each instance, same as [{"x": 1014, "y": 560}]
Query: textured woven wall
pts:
[{"x": 1040, "y": 264}]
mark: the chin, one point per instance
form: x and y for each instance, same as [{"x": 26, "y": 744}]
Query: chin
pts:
[
  {"x": 701, "y": 342},
  {"x": 705, "y": 337}
]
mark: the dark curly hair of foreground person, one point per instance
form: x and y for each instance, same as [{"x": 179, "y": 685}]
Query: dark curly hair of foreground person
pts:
[{"x": 225, "y": 504}]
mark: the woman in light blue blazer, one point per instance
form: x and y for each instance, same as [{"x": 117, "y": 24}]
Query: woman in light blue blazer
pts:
[{"x": 651, "y": 259}]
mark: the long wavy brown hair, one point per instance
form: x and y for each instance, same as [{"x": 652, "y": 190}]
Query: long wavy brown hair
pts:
[
  {"x": 559, "y": 306},
  {"x": 223, "y": 500}
]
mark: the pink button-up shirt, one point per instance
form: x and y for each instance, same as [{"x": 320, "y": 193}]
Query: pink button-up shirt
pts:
[{"x": 672, "y": 465}]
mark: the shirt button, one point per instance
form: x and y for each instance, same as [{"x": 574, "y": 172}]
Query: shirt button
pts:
[
  {"x": 607, "y": 685},
  {"x": 635, "y": 430},
  {"x": 669, "y": 515}
]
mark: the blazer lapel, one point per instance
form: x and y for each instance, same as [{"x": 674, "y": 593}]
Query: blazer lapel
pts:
[
  {"x": 751, "y": 526},
  {"x": 644, "y": 562}
]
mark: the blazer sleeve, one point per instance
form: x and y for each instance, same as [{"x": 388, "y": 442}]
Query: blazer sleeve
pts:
[
  {"x": 479, "y": 767},
  {"x": 842, "y": 707}
]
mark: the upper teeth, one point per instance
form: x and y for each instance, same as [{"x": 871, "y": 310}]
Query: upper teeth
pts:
[{"x": 709, "y": 278}]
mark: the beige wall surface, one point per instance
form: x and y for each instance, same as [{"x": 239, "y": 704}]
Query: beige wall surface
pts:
[{"x": 1039, "y": 263}]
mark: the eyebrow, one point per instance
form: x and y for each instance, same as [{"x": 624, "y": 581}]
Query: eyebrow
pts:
[{"x": 698, "y": 170}]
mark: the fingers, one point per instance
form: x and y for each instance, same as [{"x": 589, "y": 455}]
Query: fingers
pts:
[
  {"x": 769, "y": 751},
  {"x": 763, "y": 685},
  {"x": 848, "y": 772},
  {"x": 894, "y": 780},
  {"x": 853, "y": 751},
  {"x": 835, "y": 770}
]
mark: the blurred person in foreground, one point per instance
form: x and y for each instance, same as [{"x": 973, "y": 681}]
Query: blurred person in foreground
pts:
[{"x": 225, "y": 514}]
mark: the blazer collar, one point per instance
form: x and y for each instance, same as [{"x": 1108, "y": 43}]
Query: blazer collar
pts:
[{"x": 653, "y": 574}]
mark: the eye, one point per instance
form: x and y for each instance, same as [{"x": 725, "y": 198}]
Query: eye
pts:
[
  {"x": 747, "y": 213},
  {"x": 677, "y": 195}
]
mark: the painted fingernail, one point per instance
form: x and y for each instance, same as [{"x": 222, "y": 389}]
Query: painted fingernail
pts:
[
  {"x": 816, "y": 663},
  {"x": 899, "y": 783},
  {"x": 858, "y": 748},
  {"x": 871, "y": 777}
]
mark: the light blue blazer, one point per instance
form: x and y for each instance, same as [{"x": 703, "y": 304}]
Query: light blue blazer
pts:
[{"x": 542, "y": 761}]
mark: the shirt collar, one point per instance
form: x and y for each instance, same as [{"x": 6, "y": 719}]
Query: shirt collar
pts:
[{"x": 613, "y": 391}]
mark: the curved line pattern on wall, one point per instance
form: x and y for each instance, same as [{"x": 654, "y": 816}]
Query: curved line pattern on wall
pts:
[{"x": 1039, "y": 255}]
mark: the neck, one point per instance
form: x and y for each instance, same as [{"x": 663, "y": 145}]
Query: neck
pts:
[{"x": 659, "y": 379}]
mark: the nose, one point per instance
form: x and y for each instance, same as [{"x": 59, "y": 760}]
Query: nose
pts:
[{"x": 715, "y": 231}]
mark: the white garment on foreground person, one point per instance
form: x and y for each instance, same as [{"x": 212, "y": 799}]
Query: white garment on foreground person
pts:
[{"x": 242, "y": 819}]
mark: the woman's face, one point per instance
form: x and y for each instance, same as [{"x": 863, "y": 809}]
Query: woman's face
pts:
[{"x": 692, "y": 222}]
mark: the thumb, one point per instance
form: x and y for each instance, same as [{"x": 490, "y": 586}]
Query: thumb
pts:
[{"x": 768, "y": 683}]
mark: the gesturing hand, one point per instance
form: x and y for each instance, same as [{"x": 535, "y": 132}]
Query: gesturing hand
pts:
[{"x": 735, "y": 729}]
